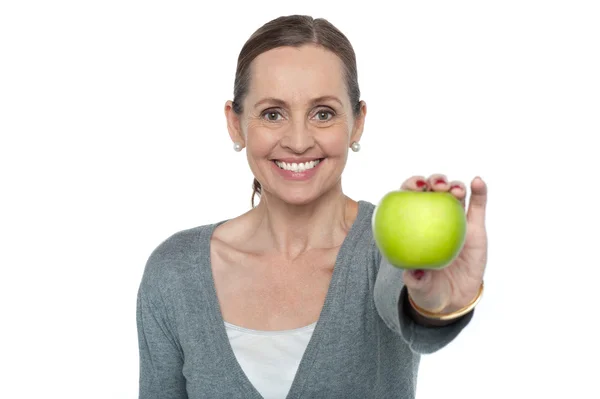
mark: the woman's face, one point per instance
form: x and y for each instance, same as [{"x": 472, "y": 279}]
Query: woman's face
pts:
[{"x": 297, "y": 124}]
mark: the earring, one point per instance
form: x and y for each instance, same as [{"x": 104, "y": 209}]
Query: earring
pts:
[
  {"x": 237, "y": 147},
  {"x": 355, "y": 146}
]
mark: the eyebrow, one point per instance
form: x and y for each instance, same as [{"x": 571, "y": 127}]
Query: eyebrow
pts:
[{"x": 280, "y": 103}]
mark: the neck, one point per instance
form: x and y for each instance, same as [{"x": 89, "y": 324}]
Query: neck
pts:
[{"x": 291, "y": 230}]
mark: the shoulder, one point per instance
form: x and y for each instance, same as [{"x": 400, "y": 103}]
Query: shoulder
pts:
[
  {"x": 363, "y": 235},
  {"x": 180, "y": 246},
  {"x": 364, "y": 220},
  {"x": 177, "y": 257}
]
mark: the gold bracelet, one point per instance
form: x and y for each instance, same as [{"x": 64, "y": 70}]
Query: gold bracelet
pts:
[{"x": 448, "y": 316}]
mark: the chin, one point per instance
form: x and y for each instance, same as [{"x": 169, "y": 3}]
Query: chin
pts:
[{"x": 298, "y": 198}]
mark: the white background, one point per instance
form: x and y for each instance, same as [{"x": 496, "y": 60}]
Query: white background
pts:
[{"x": 113, "y": 138}]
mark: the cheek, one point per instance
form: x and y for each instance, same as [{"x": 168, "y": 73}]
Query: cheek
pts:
[
  {"x": 259, "y": 142},
  {"x": 335, "y": 143}
]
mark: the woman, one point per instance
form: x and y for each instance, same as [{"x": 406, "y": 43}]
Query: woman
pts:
[{"x": 292, "y": 299}]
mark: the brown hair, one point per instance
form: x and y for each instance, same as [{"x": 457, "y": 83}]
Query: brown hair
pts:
[{"x": 295, "y": 31}]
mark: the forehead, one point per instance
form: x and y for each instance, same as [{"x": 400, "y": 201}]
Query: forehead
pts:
[{"x": 297, "y": 74}]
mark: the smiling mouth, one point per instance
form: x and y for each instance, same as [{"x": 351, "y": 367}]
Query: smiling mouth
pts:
[{"x": 298, "y": 167}]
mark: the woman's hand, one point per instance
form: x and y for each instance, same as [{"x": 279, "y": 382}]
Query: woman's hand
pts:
[{"x": 454, "y": 287}]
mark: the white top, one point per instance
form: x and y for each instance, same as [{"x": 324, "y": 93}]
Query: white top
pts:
[{"x": 269, "y": 359}]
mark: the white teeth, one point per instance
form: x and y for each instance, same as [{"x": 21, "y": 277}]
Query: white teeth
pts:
[{"x": 297, "y": 167}]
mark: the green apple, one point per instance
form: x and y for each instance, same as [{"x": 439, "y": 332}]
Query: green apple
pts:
[{"x": 419, "y": 230}]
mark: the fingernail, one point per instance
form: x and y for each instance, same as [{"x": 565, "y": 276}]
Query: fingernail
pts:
[
  {"x": 418, "y": 274},
  {"x": 440, "y": 181},
  {"x": 453, "y": 187},
  {"x": 421, "y": 183}
]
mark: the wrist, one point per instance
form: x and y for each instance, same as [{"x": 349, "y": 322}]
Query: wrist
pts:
[
  {"x": 447, "y": 316},
  {"x": 422, "y": 320}
]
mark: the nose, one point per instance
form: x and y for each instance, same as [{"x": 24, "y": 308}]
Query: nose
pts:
[{"x": 298, "y": 138}]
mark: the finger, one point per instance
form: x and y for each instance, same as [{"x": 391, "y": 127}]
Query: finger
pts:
[
  {"x": 438, "y": 182},
  {"x": 459, "y": 190},
  {"x": 417, "y": 280},
  {"x": 415, "y": 183},
  {"x": 477, "y": 202}
]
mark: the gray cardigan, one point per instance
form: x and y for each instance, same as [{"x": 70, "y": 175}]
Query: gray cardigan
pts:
[{"x": 364, "y": 345}]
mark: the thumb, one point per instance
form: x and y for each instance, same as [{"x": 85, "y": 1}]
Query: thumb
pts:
[{"x": 477, "y": 202}]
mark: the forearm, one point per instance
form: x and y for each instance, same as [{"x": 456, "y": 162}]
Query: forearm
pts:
[{"x": 422, "y": 335}]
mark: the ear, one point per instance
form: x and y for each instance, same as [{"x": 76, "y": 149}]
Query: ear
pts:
[
  {"x": 234, "y": 125},
  {"x": 359, "y": 123}
]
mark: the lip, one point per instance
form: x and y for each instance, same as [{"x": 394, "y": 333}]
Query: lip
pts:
[
  {"x": 297, "y": 176},
  {"x": 297, "y": 160}
]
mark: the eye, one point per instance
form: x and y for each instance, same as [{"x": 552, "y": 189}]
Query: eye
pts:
[
  {"x": 324, "y": 115},
  {"x": 271, "y": 115}
]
